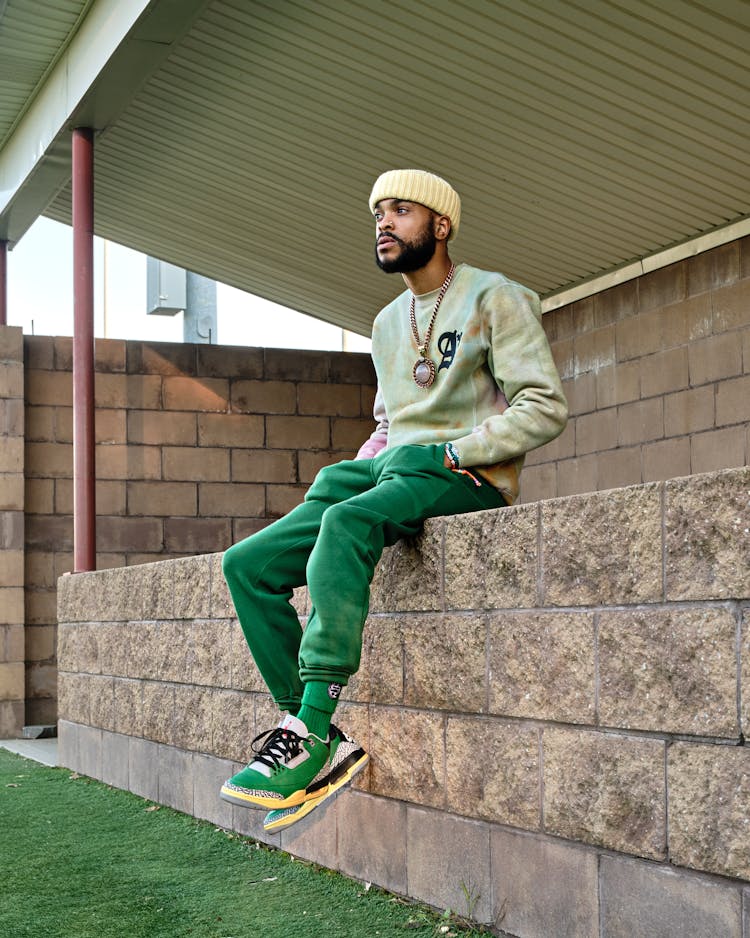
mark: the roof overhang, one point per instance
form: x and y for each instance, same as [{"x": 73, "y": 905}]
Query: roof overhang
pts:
[{"x": 239, "y": 138}]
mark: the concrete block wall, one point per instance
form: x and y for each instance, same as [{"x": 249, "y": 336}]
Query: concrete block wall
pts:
[
  {"x": 197, "y": 446},
  {"x": 556, "y": 698},
  {"x": 657, "y": 374},
  {"x": 12, "y": 682}
]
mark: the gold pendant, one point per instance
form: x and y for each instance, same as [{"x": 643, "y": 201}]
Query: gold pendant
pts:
[{"x": 423, "y": 372}]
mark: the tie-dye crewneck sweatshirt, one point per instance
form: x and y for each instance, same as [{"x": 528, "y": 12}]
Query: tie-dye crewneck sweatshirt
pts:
[{"x": 497, "y": 393}]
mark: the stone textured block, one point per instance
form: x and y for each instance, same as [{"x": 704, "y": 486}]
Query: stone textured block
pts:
[
  {"x": 72, "y": 697},
  {"x": 193, "y": 717},
  {"x": 381, "y": 825},
  {"x": 158, "y": 590},
  {"x": 605, "y": 790},
  {"x": 381, "y": 674},
  {"x": 448, "y": 862},
  {"x": 244, "y": 671},
  {"x": 504, "y": 785},
  {"x": 211, "y": 653},
  {"x": 543, "y": 888},
  {"x": 491, "y": 559},
  {"x": 233, "y": 725},
  {"x": 643, "y": 899},
  {"x": 601, "y": 548},
  {"x": 141, "y": 650},
  {"x": 101, "y": 694},
  {"x": 398, "y": 770},
  {"x": 541, "y": 665},
  {"x": 175, "y": 769},
  {"x": 707, "y": 521},
  {"x": 409, "y": 576},
  {"x": 172, "y": 652},
  {"x": 745, "y": 672},
  {"x": 709, "y": 808},
  {"x": 458, "y": 641},
  {"x": 192, "y": 587},
  {"x": 158, "y": 712},
  {"x": 128, "y": 707},
  {"x": 669, "y": 670}
]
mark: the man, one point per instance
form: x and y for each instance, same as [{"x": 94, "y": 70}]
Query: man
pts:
[{"x": 466, "y": 386}]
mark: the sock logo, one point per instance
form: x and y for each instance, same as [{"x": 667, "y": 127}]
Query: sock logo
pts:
[{"x": 334, "y": 690}]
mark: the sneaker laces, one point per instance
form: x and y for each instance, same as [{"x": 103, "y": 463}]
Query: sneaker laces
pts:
[{"x": 279, "y": 747}]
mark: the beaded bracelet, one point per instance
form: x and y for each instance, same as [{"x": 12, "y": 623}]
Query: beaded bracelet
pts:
[{"x": 450, "y": 452}]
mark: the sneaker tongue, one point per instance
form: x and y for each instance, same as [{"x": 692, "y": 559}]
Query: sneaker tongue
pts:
[{"x": 296, "y": 726}]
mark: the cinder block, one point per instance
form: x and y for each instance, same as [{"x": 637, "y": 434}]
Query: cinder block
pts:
[
  {"x": 280, "y": 499},
  {"x": 158, "y": 591},
  {"x": 12, "y": 645},
  {"x": 161, "y": 428},
  {"x": 230, "y": 499},
  {"x": 115, "y": 760},
  {"x": 709, "y": 807},
  {"x": 348, "y": 434},
  {"x": 543, "y": 887},
  {"x": 190, "y": 464},
  {"x": 720, "y": 449},
  {"x": 578, "y": 475},
  {"x": 161, "y": 358},
  {"x": 605, "y": 790},
  {"x": 640, "y": 898},
  {"x": 12, "y": 343},
  {"x": 40, "y": 423},
  {"x": 618, "y": 384},
  {"x": 541, "y": 666},
  {"x": 192, "y": 587},
  {"x": 158, "y": 712},
  {"x": 689, "y": 411},
  {"x": 295, "y": 365},
  {"x": 128, "y": 707},
  {"x": 12, "y": 718},
  {"x": 193, "y": 535},
  {"x": 143, "y": 768},
  {"x": 40, "y": 641},
  {"x": 619, "y": 468},
  {"x": 372, "y": 840},
  {"x": 176, "y": 778},
  {"x": 580, "y": 392},
  {"x": 337, "y": 400},
  {"x": 239, "y": 430},
  {"x": 12, "y": 680},
  {"x": 712, "y": 269},
  {"x": 49, "y": 387},
  {"x": 714, "y": 358},
  {"x": 162, "y": 498},
  {"x": 596, "y": 432},
  {"x": 11, "y": 379},
  {"x": 43, "y": 460},
  {"x": 731, "y": 307},
  {"x": 132, "y": 391},
  {"x": 688, "y": 321},
  {"x": 128, "y": 462},
  {"x": 669, "y": 670},
  {"x": 298, "y": 432},
  {"x": 264, "y": 397},
  {"x": 351, "y": 368},
  {"x": 209, "y": 774},
  {"x": 204, "y": 394},
  {"x": 509, "y": 793},
  {"x": 640, "y": 421},
  {"x": 733, "y": 401},
  {"x": 110, "y": 354},
  {"x": 310, "y": 464},
  {"x": 538, "y": 483},
  {"x": 662, "y": 287},
  {"x": 130, "y": 534},
  {"x": 260, "y": 465},
  {"x": 638, "y": 336},
  {"x": 11, "y": 567},
  {"x": 221, "y": 361},
  {"x": 594, "y": 349},
  {"x": 664, "y": 372},
  {"x": 448, "y": 862},
  {"x": 212, "y": 653},
  {"x": 380, "y": 678},
  {"x": 12, "y": 611},
  {"x": 707, "y": 520},
  {"x": 193, "y": 717},
  {"x": 666, "y": 459},
  {"x": 233, "y": 725},
  {"x": 11, "y": 491},
  {"x": 621, "y": 531},
  {"x": 616, "y": 303}
]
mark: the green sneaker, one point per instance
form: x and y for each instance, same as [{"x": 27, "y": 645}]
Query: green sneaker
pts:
[
  {"x": 287, "y": 761},
  {"x": 346, "y": 759}
]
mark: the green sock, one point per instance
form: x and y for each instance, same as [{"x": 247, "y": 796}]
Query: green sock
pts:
[{"x": 319, "y": 701}]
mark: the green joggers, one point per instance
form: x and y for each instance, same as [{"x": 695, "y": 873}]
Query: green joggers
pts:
[{"x": 332, "y": 542}]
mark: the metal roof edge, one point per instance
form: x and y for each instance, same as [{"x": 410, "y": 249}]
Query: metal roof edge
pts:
[{"x": 671, "y": 255}]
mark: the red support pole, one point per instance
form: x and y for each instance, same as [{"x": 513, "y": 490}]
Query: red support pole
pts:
[
  {"x": 84, "y": 477},
  {"x": 3, "y": 283}
]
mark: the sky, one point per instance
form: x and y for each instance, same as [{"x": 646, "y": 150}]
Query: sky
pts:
[{"x": 40, "y": 298}]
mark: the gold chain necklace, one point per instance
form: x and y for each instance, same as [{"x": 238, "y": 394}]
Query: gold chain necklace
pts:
[{"x": 424, "y": 370}]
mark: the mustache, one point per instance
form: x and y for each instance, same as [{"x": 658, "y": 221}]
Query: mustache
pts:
[{"x": 391, "y": 237}]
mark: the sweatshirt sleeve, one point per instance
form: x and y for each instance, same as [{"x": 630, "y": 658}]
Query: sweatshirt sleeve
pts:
[
  {"x": 379, "y": 437},
  {"x": 521, "y": 362}
]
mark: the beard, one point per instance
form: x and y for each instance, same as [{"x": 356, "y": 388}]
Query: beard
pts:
[{"x": 413, "y": 255}]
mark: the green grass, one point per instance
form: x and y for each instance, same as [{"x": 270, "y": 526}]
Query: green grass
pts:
[{"x": 81, "y": 860}]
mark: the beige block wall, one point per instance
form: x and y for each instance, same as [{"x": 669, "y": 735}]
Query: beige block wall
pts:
[
  {"x": 196, "y": 447},
  {"x": 657, "y": 374},
  {"x": 12, "y": 645},
  {"x": 549, "y": 693}
]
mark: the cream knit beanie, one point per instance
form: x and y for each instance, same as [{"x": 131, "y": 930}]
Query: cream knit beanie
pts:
[{"x": 416, "y": 185}]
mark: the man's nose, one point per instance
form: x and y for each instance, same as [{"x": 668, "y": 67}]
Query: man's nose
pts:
[{"x": 385, "y": 222}]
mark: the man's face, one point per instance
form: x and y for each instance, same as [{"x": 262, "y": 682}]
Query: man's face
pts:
[{"x": 405, "y": 236}]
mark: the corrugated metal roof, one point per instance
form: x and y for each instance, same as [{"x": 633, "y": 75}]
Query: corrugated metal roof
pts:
[
  {"x": 581, "y": 135},
  {"x": 33, "y": 35}
]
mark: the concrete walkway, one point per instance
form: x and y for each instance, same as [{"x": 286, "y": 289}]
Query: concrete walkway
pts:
[{"x": 40, "y": 750}]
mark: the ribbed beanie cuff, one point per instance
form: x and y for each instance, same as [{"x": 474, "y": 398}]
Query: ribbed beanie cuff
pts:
[{"x": 416, "y": 185}]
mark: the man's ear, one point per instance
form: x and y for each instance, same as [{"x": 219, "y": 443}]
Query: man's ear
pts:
[{"x": 442, "y": 227}]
